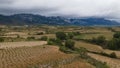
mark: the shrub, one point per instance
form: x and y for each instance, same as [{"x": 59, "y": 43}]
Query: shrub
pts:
[
  {"x": 82, "y": 51},
  {"x": 18, "y": 36},
  {"x": 1, "y": 39},
  {"x": 44, "y": 38},
  {"x": 50, "y": 42},
  {"x": 69, "y": 44},
  {"x": 104, "y": 54},
  {"x": 61, "y": 35},
  {"x": 64, "y": 49},
  {"x": 116, "y": 35},
  {"x": 101, "y": 40},
  {"x": 58, "y": 42},
  {"x": 76, "y": 33},
  {"x": 114, "y": 44},
  {"x": 40, "y": 33},
  {"x": 53, "y": 41},
  {"x": 113, "y": 55},
  {"x": 30, "y": 38},
  {"x": 70, "y": 35}
]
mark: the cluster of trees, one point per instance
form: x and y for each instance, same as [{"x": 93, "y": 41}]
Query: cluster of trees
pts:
[
  {"x": 65, "y": 36},
  {"x": 64, "y": 39},
  {"x": 66, "y": 44},
  {"x": 101, "y": 40},
  {"x": 113, "y": 44}
]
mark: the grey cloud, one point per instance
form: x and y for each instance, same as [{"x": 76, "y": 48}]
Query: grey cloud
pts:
[{"x": 77, "y": 8}]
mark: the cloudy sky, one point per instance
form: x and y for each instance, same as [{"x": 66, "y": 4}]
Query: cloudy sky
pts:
[{"x": 72, "y": 8}]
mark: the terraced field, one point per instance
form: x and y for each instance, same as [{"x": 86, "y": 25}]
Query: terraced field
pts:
[
  {"x": 77, "y": 64},
  {"x": 113, "y": 63},
  {"x": 95, "y": 48},
  {"x": 27, "y": 55},
  {"x": 21, "y": 44},
  {"x": 88, "y": 46}
]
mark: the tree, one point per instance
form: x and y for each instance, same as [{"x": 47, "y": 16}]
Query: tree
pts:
[
  {"x": 83, "y": 52},
  {"x": 101, "y": 40},
  {"x": 112, "y": 44},
  {"x": 69, "y": 44},
  {"x": 70, "y": 35},
  {"x": 58, "y": 42},
  {"x": 61, "y": 35},
  {"x": 116, "y": 35}
]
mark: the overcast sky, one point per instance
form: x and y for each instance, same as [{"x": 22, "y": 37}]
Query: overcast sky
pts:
[{"x": 74, "y": 8}]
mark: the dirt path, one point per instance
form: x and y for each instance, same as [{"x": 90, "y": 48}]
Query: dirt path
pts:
[
  {"x": 21, "y": 44},
  {"x": 113, "y": 63}
]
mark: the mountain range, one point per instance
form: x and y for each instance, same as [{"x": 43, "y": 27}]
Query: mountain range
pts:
[{"x": 31, "y": 19}]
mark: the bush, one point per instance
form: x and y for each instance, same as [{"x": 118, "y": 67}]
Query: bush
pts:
[
  {"x": 40, "y": 33},
  {"x": 113, "y": 55},
  {"x": 69, "y": 44},
  {"x": 44, "y": 38},
  {"x": 18, "y": 36},
  {"x": 101, "y": 40},
  {"x": 116, "y": 35},
  {"x": 82, "y": 51},
  {"x": 65, "y": 50},
  {"x": 1, "y": 39},
  {"x": 104, "y": 54},
  {"x": 76, "y": 33},
  {"x": 70, "y": 35},
  {"x": 50, "y": 42},
  {"x": 30, "y": 38},
  {"x": 53, "y": 41},
  {"x": 58, "y": 42},
  {"x": 61, "y": 35},
  {"x": 114, "y": 44}
]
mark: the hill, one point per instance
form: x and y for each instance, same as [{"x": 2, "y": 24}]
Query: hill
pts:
[{"x": 31, "y": 19}]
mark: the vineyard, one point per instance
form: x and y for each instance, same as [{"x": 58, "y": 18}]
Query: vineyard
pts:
[
  {"x": 21, "y": 44},
  {"x": 36, "y": 56}
]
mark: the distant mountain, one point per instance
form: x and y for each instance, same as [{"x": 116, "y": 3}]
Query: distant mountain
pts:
[
  {"x": 30, "y": 19},
  {"x": 93, "y": 21}
]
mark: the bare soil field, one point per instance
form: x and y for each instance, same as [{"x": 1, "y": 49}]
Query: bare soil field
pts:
[{"x": 21, "y": 44}]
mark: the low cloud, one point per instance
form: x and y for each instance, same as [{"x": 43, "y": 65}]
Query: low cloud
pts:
[{"x": 72, "y": 8}]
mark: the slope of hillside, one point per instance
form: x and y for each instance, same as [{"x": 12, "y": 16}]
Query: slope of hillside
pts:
[{"x": 30, "y": 19}]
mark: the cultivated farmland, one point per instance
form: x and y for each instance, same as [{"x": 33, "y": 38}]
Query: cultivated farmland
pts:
[{"x": 39, "y": 47}]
